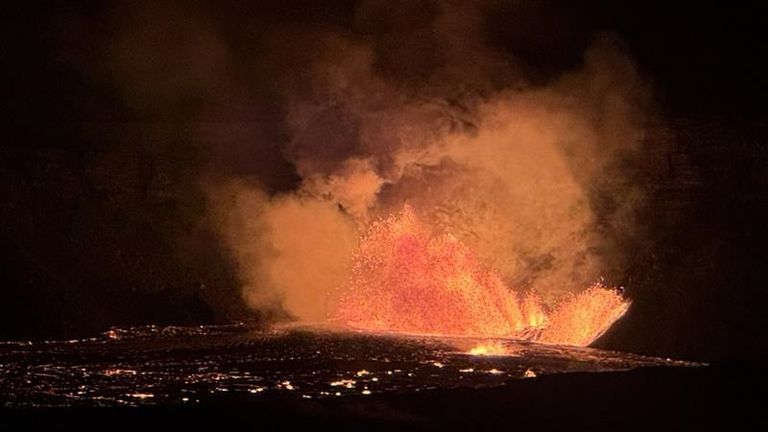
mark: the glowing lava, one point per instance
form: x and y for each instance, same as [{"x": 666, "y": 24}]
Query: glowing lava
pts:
[
  {"x": 406, "y": 280},
  {"x": 489, "y": 349}
]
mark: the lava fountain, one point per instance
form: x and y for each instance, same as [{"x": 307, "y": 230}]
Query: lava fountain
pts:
[{"x": 406, "y": 279}]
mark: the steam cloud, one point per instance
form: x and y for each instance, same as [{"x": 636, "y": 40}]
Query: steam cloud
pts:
[{"x": 422, "y": 111}]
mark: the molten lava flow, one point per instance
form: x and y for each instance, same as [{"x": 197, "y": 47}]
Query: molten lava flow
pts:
[
  {"x": 406, "y": 280},
  {"x": 489, "y": 349}
]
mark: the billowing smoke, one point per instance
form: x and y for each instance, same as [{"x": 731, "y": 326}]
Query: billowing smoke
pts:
[{"x": 530, "y": 174}]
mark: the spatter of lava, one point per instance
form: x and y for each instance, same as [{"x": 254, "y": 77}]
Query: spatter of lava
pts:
[{"x": 405, "y": 280}]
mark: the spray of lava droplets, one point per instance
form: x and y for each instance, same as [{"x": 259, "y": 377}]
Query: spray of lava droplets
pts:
[{"x": 407, "y": 280}]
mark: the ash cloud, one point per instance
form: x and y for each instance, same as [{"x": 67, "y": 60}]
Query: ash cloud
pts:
[
  {"x": 309, "y": 130},
  {"x": 414, "y": 107}
]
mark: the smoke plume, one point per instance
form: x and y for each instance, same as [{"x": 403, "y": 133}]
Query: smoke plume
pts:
[{"x": 417, "y": 108}]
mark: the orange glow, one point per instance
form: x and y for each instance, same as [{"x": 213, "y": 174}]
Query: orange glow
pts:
[
  {"x": 488, "y": 349},
  {"x": 406, "y": 279},
  {"x": 584, "y": 317}
]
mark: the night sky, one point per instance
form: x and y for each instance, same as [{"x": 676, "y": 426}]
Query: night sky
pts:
[{"x": 113, "y": 112}]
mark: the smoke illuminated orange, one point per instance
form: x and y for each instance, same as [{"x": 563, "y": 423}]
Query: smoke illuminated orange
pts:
[{"x": 406, "y": 279}]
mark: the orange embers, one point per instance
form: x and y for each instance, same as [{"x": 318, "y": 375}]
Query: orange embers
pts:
[{"x": 405, "y": 280}]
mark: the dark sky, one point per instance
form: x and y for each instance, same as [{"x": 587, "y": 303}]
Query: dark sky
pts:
[{"x": 107, "y": 127}]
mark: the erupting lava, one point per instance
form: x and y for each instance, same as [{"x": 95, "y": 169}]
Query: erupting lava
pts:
[{"x": 406, "y": 280}]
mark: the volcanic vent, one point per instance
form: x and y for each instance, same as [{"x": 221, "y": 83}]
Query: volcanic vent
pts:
[{"x": 406, "y": 279}]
